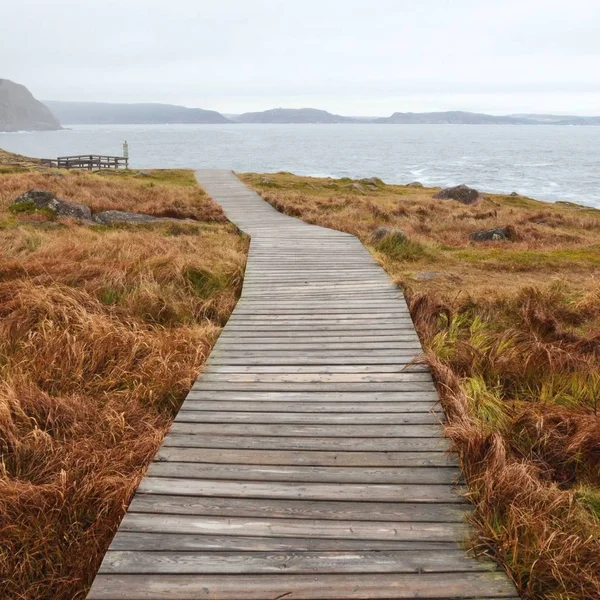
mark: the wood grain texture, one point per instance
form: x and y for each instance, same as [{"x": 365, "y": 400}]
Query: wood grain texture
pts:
[{"x": 308, "y": 460}]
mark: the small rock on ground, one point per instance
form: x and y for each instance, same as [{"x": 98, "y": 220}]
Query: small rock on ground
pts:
[{"x": 120, "y": 216}]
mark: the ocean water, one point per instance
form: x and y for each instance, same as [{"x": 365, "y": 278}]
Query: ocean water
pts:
[{"x": 545, "y": 162}]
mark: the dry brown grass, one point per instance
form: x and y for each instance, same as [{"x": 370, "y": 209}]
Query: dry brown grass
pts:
[
  {"x": 102, "y": 332},
  {"x": 512, "y": 332}
]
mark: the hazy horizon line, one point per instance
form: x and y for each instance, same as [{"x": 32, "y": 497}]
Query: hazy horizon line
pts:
[{"x": 333, "y": 112}]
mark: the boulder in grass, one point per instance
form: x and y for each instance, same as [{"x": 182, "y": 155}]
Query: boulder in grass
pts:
[
  {"x": 373, "y": 181},
  {"x": 42, "y": 200},
  {"x": 119, "y": 216},
  {"x": 498, "y": 234},
  {"x": 461, "y": 193},
  {"x": 414, "y": 184}
]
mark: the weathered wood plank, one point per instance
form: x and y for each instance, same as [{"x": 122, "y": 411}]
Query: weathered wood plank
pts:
[
  {"x": 323, "y": 431},
  {"x": 396, "y": 561},
  {"x": 329, "y": 369},
  {"x": 307, "y": 457},
  {"x": 175, "y": 542},
  {"x": 326, "y": 528},
  {"x": 338, "y": 444},
  {"x": 301, "y": 491},
  {"x": 318, "y": 409},
  {"x": 316, "y": 396},
  {"x": 266, "y": 508},
  {"x": 188, "y": 415},
  {"x": 316, "y": 377},
  {"x": 329, "y": 474},
  {"x": 302, "y": 587},
  {"x": 324, "y": 387}
]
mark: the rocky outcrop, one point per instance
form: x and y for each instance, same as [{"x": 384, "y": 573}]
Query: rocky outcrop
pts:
[
  {"x": 20, "y": 111},
  {"x": 43, "y": 201},
  {"x": 415, "y": 184},
  {"x": 40, "y": 200},
  {"x": 461, "y": 193},
  {"x": 498, "y": 234}
]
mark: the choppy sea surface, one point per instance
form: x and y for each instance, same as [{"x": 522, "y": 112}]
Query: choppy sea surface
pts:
[{"x": 542, "y": 161}]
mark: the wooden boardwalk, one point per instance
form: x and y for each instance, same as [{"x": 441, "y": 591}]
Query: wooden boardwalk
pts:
[{"x": 308, "y": 461}]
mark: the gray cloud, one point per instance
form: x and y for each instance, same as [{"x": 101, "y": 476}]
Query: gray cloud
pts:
[{"x": 348, "y": 56}]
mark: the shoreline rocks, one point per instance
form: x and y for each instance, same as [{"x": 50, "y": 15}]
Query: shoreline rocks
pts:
[{"x": 461, "y": 193}]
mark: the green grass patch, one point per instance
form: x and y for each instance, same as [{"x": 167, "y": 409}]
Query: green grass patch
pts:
[
  {"x": 204, "y": 283},
  {"x": 184, "y": 177},
  {"x": 28, "y": 208},
  {"x": 398, "y": 246}
]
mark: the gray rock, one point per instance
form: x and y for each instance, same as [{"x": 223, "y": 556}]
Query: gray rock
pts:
[
  {"x": 267, "y": 180},
  {"x": 383, "y": 232},
  {"x": 142, "y": 174},
  {"x": 498, "y": 234},
  {"x": 42, "y": 199},
  {"x": 415, "y": 184},
  {"x": 461, "y": 193},
  {"x": 119, "y": 216},
  {"x": 513, "y": 194},
  {"x": 373, "y": 181}
]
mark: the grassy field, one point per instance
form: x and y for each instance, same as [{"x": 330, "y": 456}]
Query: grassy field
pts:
[
  {"x": 102, "y": 331},
  {"x": 512, "y": 332}
]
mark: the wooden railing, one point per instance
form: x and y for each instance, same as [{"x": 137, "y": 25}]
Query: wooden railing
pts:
[{"x": 88, "y": 161}]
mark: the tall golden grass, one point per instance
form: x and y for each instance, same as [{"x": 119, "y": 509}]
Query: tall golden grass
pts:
[
  {"x": 102, "y": 332},
  {"x": 512, "y": 333}
]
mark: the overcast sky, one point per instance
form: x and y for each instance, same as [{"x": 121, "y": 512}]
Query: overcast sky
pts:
[{"x": 352, "y": 57}]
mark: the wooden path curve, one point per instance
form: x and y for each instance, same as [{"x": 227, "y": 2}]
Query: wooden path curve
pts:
[{"x": 308, "y": 461}]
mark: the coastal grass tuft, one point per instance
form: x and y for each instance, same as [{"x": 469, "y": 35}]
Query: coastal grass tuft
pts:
[
  {"x": 102, "y": 331},
  {"x": 511, "y": 330}
]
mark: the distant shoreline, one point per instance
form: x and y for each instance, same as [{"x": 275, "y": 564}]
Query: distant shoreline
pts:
[
  {"x": 98, "y": 113},
  {"x": 69, "y": 126}
]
